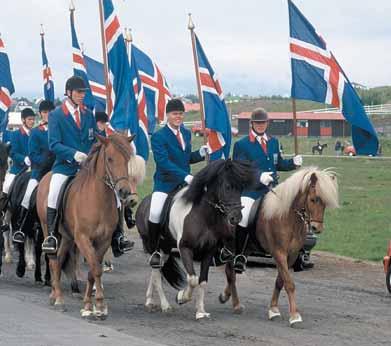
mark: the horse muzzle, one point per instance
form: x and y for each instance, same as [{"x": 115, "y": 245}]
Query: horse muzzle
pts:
[
  {"x": 316, "y": 227},
  {"x": 234, "y": 218},
  {"x": 123, "y": 193}
]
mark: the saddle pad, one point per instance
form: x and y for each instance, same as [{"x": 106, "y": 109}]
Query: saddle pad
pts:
[
  {"x": 18, "y": 189},
  {"x": 165, "y": 216}
]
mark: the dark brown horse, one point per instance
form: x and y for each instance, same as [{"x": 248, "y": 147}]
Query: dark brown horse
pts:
[
  {"x": 90, "y": 216},
  {"x": 4, "y": 153},
  {"x": 281, "y": 227}
]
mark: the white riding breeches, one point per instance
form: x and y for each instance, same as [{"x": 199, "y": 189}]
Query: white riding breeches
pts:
[
  {"x": 55, "y": 186},
  {"x": 157, "y": 204},
  {"x": 9, "y": 178},
  {"x": 29, "y": 190},
  {"x": 247, "y": 204}
]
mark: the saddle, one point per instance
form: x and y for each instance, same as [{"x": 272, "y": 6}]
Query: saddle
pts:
[
  {"x": 165, "y": 216},
  {"x": 62, "y": 199},
  {"x": 17, "y": 190}
]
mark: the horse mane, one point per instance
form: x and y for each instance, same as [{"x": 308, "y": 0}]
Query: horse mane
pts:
[
  {"x": 279, "y": 203},
  {"x": 239, "y": 174}
]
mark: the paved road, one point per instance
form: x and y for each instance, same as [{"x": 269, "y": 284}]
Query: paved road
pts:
[{"x": 342, "y": 303}]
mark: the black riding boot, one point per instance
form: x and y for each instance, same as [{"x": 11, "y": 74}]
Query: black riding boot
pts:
[
  {"x": 19, "y": 235},
  {"x": 128, "y": 215},
  {"x": 156, "y": 259},
  {"x": 49, "y": 245},
  {"x": 119, "y": 243},
  {"x": 240, "y": 259},
  {"x": 3, "y": 206}
]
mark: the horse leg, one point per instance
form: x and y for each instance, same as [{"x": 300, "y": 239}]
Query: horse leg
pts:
[
  {"x": 21, "y": 267},
  {"x": 283, "y": 270},
  {"x": 203, "y": 280},
  {"x": 274, "y": 311},
  {"x": 157, "y": 283},
  {"x": 29, "y": 253},
  {"x": 149, "y": 301},
  {"x": 38, "y": 255},
  {"x": 7, "y": 247},
  {"x": 48, "y": 276},
  {"x": 1, "y": 250},
  {"x": 231, "y": 290},
  {"x": 185, "y": 295}
]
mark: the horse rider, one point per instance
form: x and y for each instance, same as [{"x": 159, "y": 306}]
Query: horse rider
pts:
[
  {"x": 71, "y": 135},
  {"x": 171, "y": 147},
  {"x": 264, "y": 151},
  {"x": 19, "y": 153},
  {"x": 102, "y": 120},
  {"x": 41, "y": 162}
]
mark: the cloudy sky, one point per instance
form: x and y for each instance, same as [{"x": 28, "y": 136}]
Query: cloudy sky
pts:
[{"x": 246, "y": 41}]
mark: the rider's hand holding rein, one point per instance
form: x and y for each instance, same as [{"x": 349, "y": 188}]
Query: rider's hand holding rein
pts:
[
  {"x": 204, "y": 150},
  {"x": 266, "y": 178},
  {"x": 80, "y": 157},
  {"x": 27, "y": 161}
]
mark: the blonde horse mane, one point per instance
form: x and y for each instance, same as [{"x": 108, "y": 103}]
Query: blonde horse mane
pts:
[
  {"x": 136, "y": 167},
  {"x": 279, "y": 202}
]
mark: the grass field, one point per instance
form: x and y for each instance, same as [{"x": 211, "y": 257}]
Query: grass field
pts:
[{"x": 361, "y": 227}]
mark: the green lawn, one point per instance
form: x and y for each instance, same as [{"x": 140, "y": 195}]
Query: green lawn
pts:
[{"x": 361, "y": 227}]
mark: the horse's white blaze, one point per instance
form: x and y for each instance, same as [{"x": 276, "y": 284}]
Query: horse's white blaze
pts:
[{"x": 179, "y": 210}]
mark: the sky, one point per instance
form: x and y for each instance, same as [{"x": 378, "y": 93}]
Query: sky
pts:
[{"x": 246, "y": 41}]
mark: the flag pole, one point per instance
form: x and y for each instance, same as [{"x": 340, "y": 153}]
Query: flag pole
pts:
[
  {"x": 294, "y": 127},
  {"x": 191, "y": 27},
  {"x": 128, "y": 39},
  {"x": 105, "y": 64}
]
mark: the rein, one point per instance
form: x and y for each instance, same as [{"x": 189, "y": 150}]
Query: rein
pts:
[{"x": 225, "y": 208}]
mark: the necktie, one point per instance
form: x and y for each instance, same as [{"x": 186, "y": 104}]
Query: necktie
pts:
[
  {"x": 264, "y": 145},
  {"x": 179, "y": 138},
  {"x": 77, "y": 118}
]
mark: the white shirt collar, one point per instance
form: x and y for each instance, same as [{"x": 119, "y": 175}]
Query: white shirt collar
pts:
[
  {"x": 26, "y": 130},
  {"x": 72, "y": 109},
  {"x": 174, "y": 130}
]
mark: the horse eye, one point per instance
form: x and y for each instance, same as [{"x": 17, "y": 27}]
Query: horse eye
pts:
[{"x": 110, "y": 160}]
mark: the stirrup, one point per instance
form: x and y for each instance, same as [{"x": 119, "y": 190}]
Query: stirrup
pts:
[
  {"x": 50, "y": 250},
  {"x": 15, "y": 240},
  {"x": 226, "y": 255},
  {"x": 125, "y": 240},
  {"x": 240, "y": 260},
  {"x": 156, "y": 265}
]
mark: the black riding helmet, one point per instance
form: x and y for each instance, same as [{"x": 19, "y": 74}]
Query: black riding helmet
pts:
[
  {"x": 101, "y": 116},
  {"x": 27, "y": 112},
  {"x": 75, "y": 83},
  {"x": 46, "y": 106}
]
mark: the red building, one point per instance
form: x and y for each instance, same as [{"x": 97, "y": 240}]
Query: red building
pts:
[{"x": 309, "y": 124}]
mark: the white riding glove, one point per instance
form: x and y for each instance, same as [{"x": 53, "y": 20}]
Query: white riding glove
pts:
[
  {"x": 204, "y": 150},
  {"x": 79, "y": 156},
  {"x": 298, "y": 160},
  {"x": 266, "y": 178},
  {"x": 188, "y": 179},
  {"x": 27, "y": 161}
]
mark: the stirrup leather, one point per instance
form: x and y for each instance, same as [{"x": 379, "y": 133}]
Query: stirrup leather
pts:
[{"x": 161, "y": 263}]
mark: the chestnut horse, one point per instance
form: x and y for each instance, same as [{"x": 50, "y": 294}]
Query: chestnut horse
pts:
[
  {"x": 89, "y": 216},
  {"x": 283, "y": 220}
]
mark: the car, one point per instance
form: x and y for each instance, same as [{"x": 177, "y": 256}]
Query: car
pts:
[
  {"x": 197, "y": 130},
  {"x": 349, "y": 150}
]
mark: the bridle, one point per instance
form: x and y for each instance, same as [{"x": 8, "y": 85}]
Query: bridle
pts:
[
  {"x": 225, "y": 208},
  {"x": 304, "y": 215}
]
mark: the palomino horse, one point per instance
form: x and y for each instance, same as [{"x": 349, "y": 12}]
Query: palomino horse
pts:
[
  {"x": 202, "y": 218},
  {"x": 4, "y": 153},
  {"x": 286, "y": 213},
  {"x": 90, "y": 216}
]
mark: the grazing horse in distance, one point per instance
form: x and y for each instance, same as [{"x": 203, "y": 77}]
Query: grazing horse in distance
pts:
[
  {"x": 202, "y": 218},
  {"x": 89, "y": 216},
  {"x": 281, "y": 227}
]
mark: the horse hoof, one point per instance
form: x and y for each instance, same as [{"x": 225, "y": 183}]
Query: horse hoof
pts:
[
  {"x": 295, "y": 321},
  {"x": 152, "y": 307},
  {"x": 8, "y": 259},
  {"x": 223, "y": 298},
  {"x": 31, "y": 267},
  {"x": 52, "y": 301},
  {"x": 202, "y": 315},
  {"x": 179, "y": 298},
  {"x": 239, "y": 310},
  {"x": 86, "y": 313},
  {"x": 48, "y": 283},
  {"x": 39, "y": 283},
  {"x": 167, "y": 309},
  {"x": 20, "y": 271},
  {"x": 274, "y": 314},
  {"x": 101, "y": 314},
  {"x": 60, "y": 307}
]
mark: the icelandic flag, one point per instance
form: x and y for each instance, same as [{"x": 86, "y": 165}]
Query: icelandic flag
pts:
[
  {"x": 121, "y": 91},
  {"x": 96, "y": 78},
  {"x": 215, "y": 109},
  {"x": 317, "y": 76},
  {"x": 138, "y": 119},
  {"x": 6, "y": 88},
  {"x": 48, "y": 85},
  {"x": 155, "y": 86},
  {"x": 79, "y": 66}
]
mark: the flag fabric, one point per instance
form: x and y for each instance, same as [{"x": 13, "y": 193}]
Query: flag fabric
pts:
[
  {"x": 317, "y": 76},
  {"x": 119, "y": 70},
  {"x": 138, "y": 122},
  {"x": 96, "y": 78},
  {"x": 48, "y": 84},
  {"x": 216, "y": 114},
  {"x": 79, "y": 65},
  {"x": 155, "y": 87},
  {"x": 6, "y": 88}
]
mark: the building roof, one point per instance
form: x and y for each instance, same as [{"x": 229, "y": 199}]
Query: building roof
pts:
[
  {"x": 192, "y": 107},
  {"x": 300, "y": 116}
]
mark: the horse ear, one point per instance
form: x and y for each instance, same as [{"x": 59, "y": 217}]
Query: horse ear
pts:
[
  {"x": 102, "y": 139},
  {"x": 131, "y": 138},
  {"x": 313, "y": 179}
]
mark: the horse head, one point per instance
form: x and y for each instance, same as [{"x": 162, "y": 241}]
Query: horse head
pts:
[
  {"x": 117, "y": 152},
  {"x": 220, "y": 185},
  {"x": 4, "y": 153}
]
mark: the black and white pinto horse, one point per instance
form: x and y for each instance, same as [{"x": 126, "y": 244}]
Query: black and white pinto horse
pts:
[
  {"x": 318, "y": 148},
  {"x": 4, "y": 153},
  {"x": 201, "y": 220}
]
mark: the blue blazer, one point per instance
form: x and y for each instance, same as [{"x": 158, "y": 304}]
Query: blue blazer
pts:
[
  {"x": 172, "y": 162},
  {"x": 19, "y": 150},
  {"x": 245, "y": 149},
  {"x": 65, "y": 138},
  {"x": 40, "y": 155}
]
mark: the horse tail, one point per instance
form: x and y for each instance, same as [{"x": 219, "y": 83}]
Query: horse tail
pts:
[
  {"x": 173, "y": 273},
  {"x": 71, "y": 262}
]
